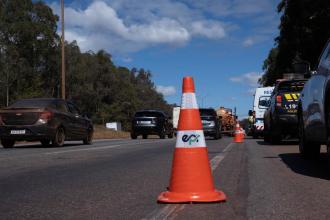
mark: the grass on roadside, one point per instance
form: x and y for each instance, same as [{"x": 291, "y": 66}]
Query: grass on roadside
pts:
[{"x": 101, "y": 132}]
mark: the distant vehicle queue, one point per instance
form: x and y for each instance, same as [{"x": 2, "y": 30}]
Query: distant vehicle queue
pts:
[
  {"x": 295, "y": 107},
  {"x": 298, "y": 106}
]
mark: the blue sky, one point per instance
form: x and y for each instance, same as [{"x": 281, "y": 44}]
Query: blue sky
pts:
[{"x": 221, "y": 43}]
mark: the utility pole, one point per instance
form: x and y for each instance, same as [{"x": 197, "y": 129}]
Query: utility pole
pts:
[
  {"x": 7, "y": 89},
  {"x": 63, "y": 52}
]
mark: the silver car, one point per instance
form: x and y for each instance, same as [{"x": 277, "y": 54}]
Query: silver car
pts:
[{"x": 314, "y": 109}]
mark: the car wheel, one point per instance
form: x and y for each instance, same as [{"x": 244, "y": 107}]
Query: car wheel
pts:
[
  {"x": 274, "y": 136},
  {"x": 7, "y": 143},
  {"x": 162, "y": 134},
  {"x": 266, "y": 134},
  {"x": 59, "y": 138},
  {"x": 220, "y": 134},
  {"x": 144, "y": 136},
  {"x": 45, "y": 143},
  {"x": 133, "y": 136},
  {"x": 307, "y": 149},
  {"x": 88, "y": 140},
  {"x": 216, "y": 136}
]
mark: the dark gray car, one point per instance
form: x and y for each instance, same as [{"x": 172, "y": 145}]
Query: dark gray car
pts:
[
  {"x": 151, "y": 122},
  {"x": 314, "y": 109},
  {"x": 45, "y": 120},
  {"x": 211, "y": 123}
]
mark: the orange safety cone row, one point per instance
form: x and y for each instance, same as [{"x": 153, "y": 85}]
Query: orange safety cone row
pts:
[
  {"x": 191, "y": 178},
  {"x": 239, "y": 134}
]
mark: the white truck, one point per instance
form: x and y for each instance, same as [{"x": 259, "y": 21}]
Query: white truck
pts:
[
  {"x": 260, "y": 105},
  {"x": 175, "y": 118}
]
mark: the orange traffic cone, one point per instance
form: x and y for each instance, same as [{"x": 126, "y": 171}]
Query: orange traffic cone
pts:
[
  {"x": 191, "y": 179},
  {"x": 238, "y": 136}
]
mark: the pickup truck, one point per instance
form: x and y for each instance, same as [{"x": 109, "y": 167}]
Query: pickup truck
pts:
[{"x": 281, "y": 119}]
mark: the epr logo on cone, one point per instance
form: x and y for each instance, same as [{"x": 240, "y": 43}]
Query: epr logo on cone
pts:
[{"x": 191, "y": 178}]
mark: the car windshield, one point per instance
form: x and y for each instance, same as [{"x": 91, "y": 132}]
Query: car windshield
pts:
[
  {"x": 31, "y": 103},
  {"x": 264, "y": 101},
  {"x": 207, "y": 112},
  {"x": 148, "y": 114},
  {"x": 293, "y": 86}
]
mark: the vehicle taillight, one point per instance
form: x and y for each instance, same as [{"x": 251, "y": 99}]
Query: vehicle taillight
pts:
[
  {"x": 44, "y": 117},
  {"x": 279, "y": 101}
]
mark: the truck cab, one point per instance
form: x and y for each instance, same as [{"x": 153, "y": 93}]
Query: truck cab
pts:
[{"x": 260, "y": 105}]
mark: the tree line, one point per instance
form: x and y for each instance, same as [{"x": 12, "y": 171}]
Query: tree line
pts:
[
  {"x": 304, "y": 31},
  {"x": 30, "y": 67}
]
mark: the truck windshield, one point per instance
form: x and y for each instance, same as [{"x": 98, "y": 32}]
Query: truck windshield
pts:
[
  {"x": 207, "y": 112},
  {"x": 264, "y": 101}
]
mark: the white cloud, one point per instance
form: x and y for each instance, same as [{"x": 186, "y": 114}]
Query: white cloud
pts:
[
  {"x": 250, "y": 79},
  {"x": 209, "y": 29},
  {"x": 234, "y": 8},
  {"x": 248, "y": 42},
  {"x": 107, "y": 25},
  {"x": 166, "y": 90},
  {"x": 125, "y": 26}
]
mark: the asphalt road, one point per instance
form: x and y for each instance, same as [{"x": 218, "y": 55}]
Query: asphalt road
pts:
[{"x": 121, "y": 179}]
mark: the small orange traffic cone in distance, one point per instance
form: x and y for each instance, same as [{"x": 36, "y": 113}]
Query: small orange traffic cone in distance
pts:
[
  {"x": 191, "y": 178},
  {"x": 238, "y": 136}
]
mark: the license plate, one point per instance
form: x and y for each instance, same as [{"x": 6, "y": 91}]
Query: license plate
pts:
[
  {"x": 17, "y": 132},
  {"x": 291, "y": 106},
  {"x": 144, "y": 122}
]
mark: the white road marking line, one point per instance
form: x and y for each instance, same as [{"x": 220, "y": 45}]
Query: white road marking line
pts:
[
  {"x": 170, "y": 211},
  {"x": 85, "y": 149},
  {"x": 167, "y": 212},
  {"x": 102, "y": 148}
]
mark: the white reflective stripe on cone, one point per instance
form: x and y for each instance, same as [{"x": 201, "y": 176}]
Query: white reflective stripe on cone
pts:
[
  {"x": 190, "y": 139},
  {"x": 189, "y": 101}
]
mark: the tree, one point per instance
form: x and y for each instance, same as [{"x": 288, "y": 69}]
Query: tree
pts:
[
  {"x": 304, "y": 30},
  {"x": 30, "y": 57},
  {"x": 28, "y": 45}
]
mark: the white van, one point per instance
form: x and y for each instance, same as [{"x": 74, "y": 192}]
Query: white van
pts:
[{"x": 260, "y": 105}]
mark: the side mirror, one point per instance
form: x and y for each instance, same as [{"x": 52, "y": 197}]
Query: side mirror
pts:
[{"x": 310, "y": 74}]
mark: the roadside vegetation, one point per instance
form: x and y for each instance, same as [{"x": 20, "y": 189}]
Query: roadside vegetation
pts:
[
  {"x": 30, "y": 67},
  {"x": 304, "y": 31},
  {"x": 101, "y": 132}
]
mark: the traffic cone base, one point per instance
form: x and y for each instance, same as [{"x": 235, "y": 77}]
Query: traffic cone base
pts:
[
  {"x": 238, "y": 138},
  {"x": 174, "y": 197},
  {"x": 202, "y": 189}
]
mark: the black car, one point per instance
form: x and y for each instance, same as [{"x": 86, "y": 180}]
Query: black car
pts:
[
  {"x": 314, "y": 109},
  {"x": 281, "y": 119},
  {"x": 45, "y": 120},
  {"x": 151, "y": 122},
  {"x": 211, "y": 123}
]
